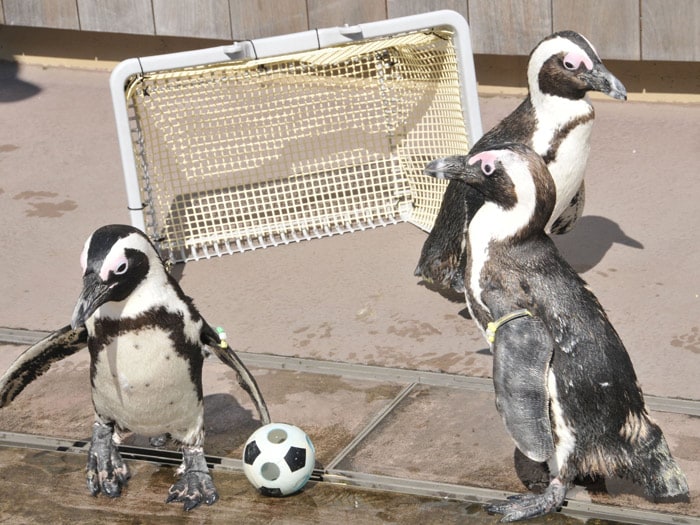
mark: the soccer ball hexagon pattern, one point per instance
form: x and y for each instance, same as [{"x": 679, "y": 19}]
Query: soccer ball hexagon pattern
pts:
[{"x": 278, "y": 459}]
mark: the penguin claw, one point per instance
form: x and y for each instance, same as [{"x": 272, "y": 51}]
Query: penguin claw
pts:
[
  {"x": 192, "y": 489},
  {"x": 195, "y": 484},
  {"x": 106, "y": 470},
  {"x": 524, "y": 506}
]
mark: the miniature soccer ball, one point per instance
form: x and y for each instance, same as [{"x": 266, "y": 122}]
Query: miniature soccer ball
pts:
[{"x": 278, "y": 459}]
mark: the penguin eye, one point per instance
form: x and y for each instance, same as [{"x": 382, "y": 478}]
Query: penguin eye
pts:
[
  {"x": 122, "y": 268},
  {"x": 568, "y": 64},
  {"x": 487, "y": 168}
]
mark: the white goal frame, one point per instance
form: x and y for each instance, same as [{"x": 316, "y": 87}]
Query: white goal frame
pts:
[{"x": 127, "y": 84}]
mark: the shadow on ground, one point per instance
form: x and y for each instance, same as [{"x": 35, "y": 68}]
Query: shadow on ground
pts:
[
  {"x": 586, "y": 245},
  {"x": 13, "y": 89}
]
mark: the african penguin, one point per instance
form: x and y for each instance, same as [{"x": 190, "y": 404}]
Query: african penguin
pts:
[
  {"x": 565, "y": 386},
  {"x": 147, "y": 344},
  {"x": 555, "y": 119}
]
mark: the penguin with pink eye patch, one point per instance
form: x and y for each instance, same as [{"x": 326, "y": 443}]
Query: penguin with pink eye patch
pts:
[
  {"x": 555, "y": 120},
  {"x": 565, "y": 385},
  {"x": 147, "y": 344}
]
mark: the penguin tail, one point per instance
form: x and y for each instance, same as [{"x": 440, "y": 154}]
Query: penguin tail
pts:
[
  {"x": 665, "y": 481},
  {"x": 653, "y": 465},
  {"x": 668, "y": 483}
]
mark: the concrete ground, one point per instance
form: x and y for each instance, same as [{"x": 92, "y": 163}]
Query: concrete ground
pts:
[{"x": 350, "y": 299}]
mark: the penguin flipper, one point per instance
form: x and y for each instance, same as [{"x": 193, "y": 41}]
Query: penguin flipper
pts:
[
  {"x": 38, "y": 358},
  {"x": 565, "y": 222},
  {"x": 442, "y": 251},
  {"x": 522, "y": 352},
  {"x": 443, "y": 257},
  {"x": 224, "y": 352}
]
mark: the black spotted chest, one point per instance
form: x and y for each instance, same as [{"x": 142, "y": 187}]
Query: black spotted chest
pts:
[{"x": 144, "y": 385}]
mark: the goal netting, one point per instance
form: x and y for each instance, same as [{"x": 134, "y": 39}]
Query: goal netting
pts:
[{"x": 253, "y": 153}]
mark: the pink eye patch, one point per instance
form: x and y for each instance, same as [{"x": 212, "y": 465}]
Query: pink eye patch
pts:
[
  {"x": 574, "y": 60},
  {"x": 116, "y": 263},
  {"x": 488, "y": 161}
]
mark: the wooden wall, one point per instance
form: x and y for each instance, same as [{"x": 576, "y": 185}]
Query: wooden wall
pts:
[{"x": 620, "y": 29}]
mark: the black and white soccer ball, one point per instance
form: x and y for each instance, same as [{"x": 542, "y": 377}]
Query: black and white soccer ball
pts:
[{"x": 278, "y": 459}]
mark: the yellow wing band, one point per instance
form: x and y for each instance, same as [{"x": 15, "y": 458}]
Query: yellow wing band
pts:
[{"x": 493, "y": 326}]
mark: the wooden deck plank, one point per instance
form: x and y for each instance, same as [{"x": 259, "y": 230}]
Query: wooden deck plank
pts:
[
  {"x": 612, "y": 27},
  {"x": 262, "y": 18},
  {"x": 60, "y": 14},
  {"x": 671, "y": 33},
  {"x": 329, "y": 13},
  {"x": 194, "y": 18},
  {"x": 397, "y": 8},
  {"x": 117, "y": 16},
  {"x": 508, "y": 27}
]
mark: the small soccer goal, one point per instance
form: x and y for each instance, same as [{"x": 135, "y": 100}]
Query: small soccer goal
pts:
[{"x": 302, "y": 136}]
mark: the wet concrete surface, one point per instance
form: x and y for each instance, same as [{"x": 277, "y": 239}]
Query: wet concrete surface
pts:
[
  {"x": 352, "y": 299},
  {"x": 62, "y": 498}
]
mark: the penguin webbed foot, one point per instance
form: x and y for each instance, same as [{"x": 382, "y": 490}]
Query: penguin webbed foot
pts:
[
  {"x": 106, "y": 470},
  {"x": 524, "y": 506},
  {"x": 195, "y": 484}
]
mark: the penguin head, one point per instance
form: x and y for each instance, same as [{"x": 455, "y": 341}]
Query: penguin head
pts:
[
  {"x": 567, "y": 65},
  {"x": 116, "y": 260},
  {"x": 514, "y": 181}
]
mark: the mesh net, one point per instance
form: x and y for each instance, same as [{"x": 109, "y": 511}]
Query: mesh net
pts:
[{"x": 256, "y": 153}]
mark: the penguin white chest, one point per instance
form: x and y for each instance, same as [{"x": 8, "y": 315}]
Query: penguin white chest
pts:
[
  {"x": 142, "y": 384},
  {"x": 562, "y": 138},
  {"x": 569, "y": 166}
]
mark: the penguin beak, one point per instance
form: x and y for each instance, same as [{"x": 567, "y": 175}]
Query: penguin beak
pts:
[
  {"x": 95, "y": 293},
  {"x": 600, "y": 79},
  {"x": 455, "y": 167},
  {"x": 447, "y": 168}
]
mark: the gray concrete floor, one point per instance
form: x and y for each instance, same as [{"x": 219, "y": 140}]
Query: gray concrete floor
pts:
[{"x": 350, "y": 299}]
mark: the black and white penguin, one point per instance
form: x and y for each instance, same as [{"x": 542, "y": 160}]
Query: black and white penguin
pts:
[
  {"x": 565, "y": 386},
  {"x": 555, "y": 120},
  {"x": 147, "y": 344}
]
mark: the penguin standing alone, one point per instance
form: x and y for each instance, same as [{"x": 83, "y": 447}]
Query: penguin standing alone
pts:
[
  {"x": 565, "y": 386},
  {"x": 555, "y": 120},
  {"x": 147, "y": 345}
]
